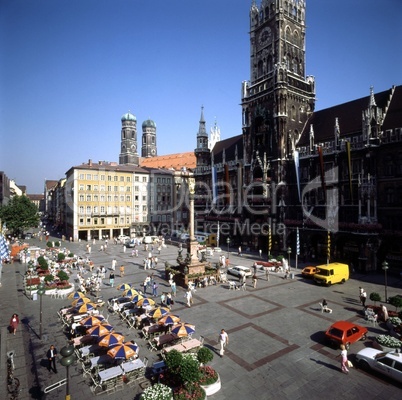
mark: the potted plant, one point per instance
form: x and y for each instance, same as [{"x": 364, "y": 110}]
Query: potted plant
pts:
[
  {"x": 375, "y": 297},
  {"x": 396, "y": 301},
  {"x": 158, "y": 391},
  {"x": 61, "y": 257},
  {"x": 210, "y": 380},
  {"x": 388, "y": 342}
]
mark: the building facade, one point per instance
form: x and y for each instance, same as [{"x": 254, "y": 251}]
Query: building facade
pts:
[{"x": 325, "y": 184}]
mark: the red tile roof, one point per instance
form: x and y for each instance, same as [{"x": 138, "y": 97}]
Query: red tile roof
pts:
[{"x": 170, "y": 161}]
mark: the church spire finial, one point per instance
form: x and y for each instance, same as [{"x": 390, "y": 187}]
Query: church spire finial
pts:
[{"x": 372, "y": 99}]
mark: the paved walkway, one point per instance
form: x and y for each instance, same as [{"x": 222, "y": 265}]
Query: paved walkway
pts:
[{"x": 276, "y": 330}]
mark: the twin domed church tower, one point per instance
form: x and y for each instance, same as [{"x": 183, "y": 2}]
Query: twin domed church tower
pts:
[{"x": 129, "y": 144}]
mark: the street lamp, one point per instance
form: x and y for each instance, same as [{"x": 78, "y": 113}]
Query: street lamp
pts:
[
  {"x": 289, "y": 252},
  {"x": 41, "y": 292},
  {"x": 385, "y": 269},
  {"x": 68, "y": 357},
  {"x": 228, "y": 243},
  {"x": 26, "y": 260}
]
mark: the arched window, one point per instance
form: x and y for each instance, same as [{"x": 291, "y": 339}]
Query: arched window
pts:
[
  {"x": 293, "y": 113},
  {"x": 269, "y": 64}
]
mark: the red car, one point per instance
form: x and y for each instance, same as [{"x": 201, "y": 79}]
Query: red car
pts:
[{"x": 344, "y": 332}]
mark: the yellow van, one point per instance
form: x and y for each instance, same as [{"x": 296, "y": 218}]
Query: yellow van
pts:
[{"x": 329, "y": 274}]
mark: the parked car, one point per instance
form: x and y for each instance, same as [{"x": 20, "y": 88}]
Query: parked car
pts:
[
  {"x": 308, "y": 272},
  {"x": 344, "y": 332},
  {"x": 239, "y": 270},
  {"x": 123, "y": 238},
  {"x": 389, "y": 364}
]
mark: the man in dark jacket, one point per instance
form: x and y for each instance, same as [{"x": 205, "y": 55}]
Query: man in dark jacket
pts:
[{"x": 51, "y": 356}]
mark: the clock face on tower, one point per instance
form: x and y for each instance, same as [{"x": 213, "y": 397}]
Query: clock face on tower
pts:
[{"x": 265, "y": 36}]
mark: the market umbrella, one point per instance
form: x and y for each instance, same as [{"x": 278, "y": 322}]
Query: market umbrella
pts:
[
  {"x": 92, "y": 320},
  {"x": 99, "y": 330},
  {"x": 145, "y": 302},
  {"x": 123, "y": 350},
  {"x": 183, "y": 329},
  {"x": 159, "y": 312},
  {"x": 169, "y": 319},
  {"x": 83, "y": 308},
  {"x": 124, "y": 286},
  {"x": 76, "y": 295},
  {"x": 130, "y": 293},
  {"x": 80, "y": 301},
  {"x": 137, "y": 298},
  {"x": 110, "y": 339}
]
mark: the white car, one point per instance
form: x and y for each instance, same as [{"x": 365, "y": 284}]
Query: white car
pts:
[
  {"x": 217, "y": 249},
  {"x": 123, "y": 238},
  {"x": 389, "y": 364},
  {"x": 239, "y": 270}
]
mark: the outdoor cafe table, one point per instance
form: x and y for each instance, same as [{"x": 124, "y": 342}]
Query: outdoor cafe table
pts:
[
  {"x": 77, "y": 341},
  {"x": 110, "y": 373},
  {"x": 165, "y": 339},
  {"x": 101, "y": 360},
  {"x": 132, "y": 365},
  {"x": 91, "y": 348},
  {"x": 184, "y": 347}
]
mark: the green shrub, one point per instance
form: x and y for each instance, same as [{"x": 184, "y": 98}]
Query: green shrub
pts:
[
  {"x": 375, "y": 297},
  {"x": 57, "y": 244},
  {"x": 43, "y": 263},
  {"x": 61, "y": 256},
  {"x": 63, "y": 276},
  {"x": 173, "y": 360},
  {"x": 71, "y": 255},
  {"x": 49, "y": 244},
  {"x": 204, "y": 355},
  {"x": 396, "y": 301},
  {"x": 49, "y": 278}
]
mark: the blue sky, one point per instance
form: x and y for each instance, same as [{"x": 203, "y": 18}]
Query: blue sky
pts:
[{"x": 70, "y": 68}]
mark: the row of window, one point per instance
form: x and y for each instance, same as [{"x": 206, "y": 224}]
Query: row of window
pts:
[
  {"x": 109, "y": 209},
  {"x": 109, "y": 221},
  {"x": 102, "y": 198},
  {"x": 116, "y": 178},
  {"x": 95, "y": 188}
]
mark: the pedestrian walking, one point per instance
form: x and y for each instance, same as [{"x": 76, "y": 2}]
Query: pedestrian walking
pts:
[
  {"x": 363, "y": 298},
  {"x": 111, "y": 278},
  {"x": 124, "y": 248},
  {"x": 267, "y": 273},
  {"x": 173, "y": 288},
  {"x": 114, "y": 263},
  {"x": 223, "y": 342},
  {"x": 155, "y": 289},
  {"x": 189, "y": 297},
  {"x": 344, "y": 359},
  {"x": 169, "y": 301},
  {"x": 254, "y": 281},
  {"x": 14, "y": 321},
  {"x": 145, "y": 284},
  {"x": 51, "y": 357},
  {"x": 260, "y": 251},
  {"x": 239, "y": 252},
  {"x": 122, "y": 270},
  {"x": 163, "y": 299}
]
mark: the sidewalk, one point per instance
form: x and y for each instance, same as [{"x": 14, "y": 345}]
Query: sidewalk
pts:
[{"x": 275, "y": 332}]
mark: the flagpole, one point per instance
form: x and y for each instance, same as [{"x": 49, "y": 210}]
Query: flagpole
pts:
[{"x": 297, "y": 246}]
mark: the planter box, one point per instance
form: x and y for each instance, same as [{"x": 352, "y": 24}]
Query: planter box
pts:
[{"x": 213, "y": 388}]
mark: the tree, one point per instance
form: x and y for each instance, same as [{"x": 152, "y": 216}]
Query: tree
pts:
[
  {"x": 396, "y": 301},
  {"x": 375, "y": 297},
  {"x": 19, "y": 214}
]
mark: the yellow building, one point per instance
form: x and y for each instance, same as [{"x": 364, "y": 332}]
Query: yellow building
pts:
[{"x": 105, "y": 200}]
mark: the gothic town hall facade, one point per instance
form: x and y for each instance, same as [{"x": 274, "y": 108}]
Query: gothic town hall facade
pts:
[{"x": 325, "y": 184}]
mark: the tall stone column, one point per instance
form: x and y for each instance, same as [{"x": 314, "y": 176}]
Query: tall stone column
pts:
[{"x": 193, "y": 244}]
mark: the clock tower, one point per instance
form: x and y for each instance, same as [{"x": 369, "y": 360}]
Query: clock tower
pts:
[
  {"x": 128, "y": 151},
  {"x": 279, "y": 97}
]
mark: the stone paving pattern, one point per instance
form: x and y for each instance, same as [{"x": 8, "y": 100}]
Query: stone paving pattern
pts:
[{"x": 276, "y": 347}]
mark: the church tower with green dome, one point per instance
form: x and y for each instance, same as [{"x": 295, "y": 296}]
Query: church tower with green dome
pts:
[
  {"x": 128, "y": 151},
  {"x": 148, "y": 148}
]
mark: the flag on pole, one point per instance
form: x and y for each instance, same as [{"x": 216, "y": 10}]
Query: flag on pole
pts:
[
  {"x": 297, "y": 243},
  {"x": 4, "y": 251},
  {"x": 269, "y": 240},
  {"x": 329, "y": 246}
]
